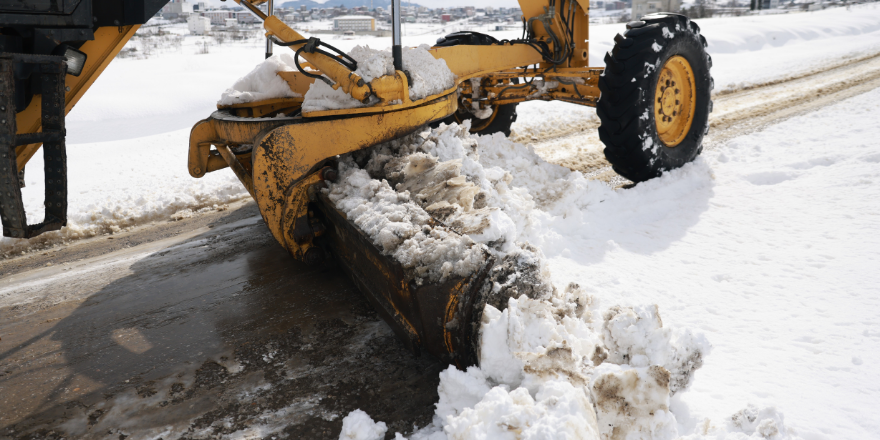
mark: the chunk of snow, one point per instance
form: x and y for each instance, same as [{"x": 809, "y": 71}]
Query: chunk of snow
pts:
[
  {"x": 262, "y": 82},
  {"x": 357, "y": 425}
]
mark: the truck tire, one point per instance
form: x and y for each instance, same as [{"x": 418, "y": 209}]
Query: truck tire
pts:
[
  {"x": 500, "y": 121},
  {"x": 655, "y": 96}
]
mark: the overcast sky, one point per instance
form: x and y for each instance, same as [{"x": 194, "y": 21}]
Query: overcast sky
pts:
[{"x": 428, "y": 3}]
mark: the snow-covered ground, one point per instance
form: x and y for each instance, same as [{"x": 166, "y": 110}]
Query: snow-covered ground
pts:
[{"x": 768, "y": 245}]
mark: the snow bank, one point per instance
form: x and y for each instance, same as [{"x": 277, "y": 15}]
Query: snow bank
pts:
[
  {"x": 263, "y": 82},
  {"x": 135, "y": 186},
  {"x": 429, "y": 75}
]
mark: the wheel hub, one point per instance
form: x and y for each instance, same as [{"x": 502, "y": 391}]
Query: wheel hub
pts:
[{"x": 675, "y": 101}]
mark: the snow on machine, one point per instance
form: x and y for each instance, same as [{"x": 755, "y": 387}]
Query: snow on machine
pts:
[{"x": 653, "y": 100}]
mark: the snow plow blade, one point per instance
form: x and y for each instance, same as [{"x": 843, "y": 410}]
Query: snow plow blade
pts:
[
  {"x": 442, "y": 319},
  {"x": 285, "y": 163}
]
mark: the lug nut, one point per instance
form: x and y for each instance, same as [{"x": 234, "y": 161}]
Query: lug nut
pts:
[{"x": 329, "y": 174}]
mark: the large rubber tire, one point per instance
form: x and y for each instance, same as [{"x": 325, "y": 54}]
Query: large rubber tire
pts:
[
  {"x": 500, "y": 121},
  {"x": 626, "y": 110}
]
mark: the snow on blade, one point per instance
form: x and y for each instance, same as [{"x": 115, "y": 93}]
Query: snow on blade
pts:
[
  {"x": 262, "y": 83},
  {"x": 429, "y": 75}
]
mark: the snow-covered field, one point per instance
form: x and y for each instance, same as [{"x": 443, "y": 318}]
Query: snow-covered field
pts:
[{"x": 768, "y": 245}]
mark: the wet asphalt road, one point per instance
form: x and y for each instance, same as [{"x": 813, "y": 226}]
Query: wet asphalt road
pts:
[{"x": 208, "y": 332}]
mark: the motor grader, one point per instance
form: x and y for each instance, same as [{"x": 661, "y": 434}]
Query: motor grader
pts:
[{"x": 652, "y": 98}]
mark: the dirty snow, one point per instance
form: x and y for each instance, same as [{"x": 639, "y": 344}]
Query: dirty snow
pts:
[
  {"x": 401, "y": 228},
  {"x": 430, "y": 76}
]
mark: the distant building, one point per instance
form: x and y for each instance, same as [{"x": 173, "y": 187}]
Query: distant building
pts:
[
  {"x": 354, "y": 23},
  {"x": 640, "y": 8},
  {"x": 176, "y": 9},
  {"x": 445, "y": 18},
  {"x": 198, "y": 25},
  {"x": 219, "y": 17}
]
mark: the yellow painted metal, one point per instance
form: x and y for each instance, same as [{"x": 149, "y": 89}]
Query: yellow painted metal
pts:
[
  {"x": 349, "y": 81},
  {"x": 266, "y": 107},
  {"x": 581, "y": 29},
  {"x": 295, "y": 217},
  {"x": 286, "y": 155},
  {"x": 578, "y": 85},
  {"x": 100, "y": 52},
  {"x": 222, "y": 130},
  {"x": 287, "y": 158},
  {"x": 468, "y": 62},
  {"x": 237, "y": 167},
  {"x": 200, "y": 159},
  {"x": 464, "y": 61},
  {"x": 298, "y": 82},
  {"x": 391, "y": 88},
  {"x": 674, "y": 101}
]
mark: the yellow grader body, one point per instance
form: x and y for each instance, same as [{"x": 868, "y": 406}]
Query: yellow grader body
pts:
[{"x": 285, "y": 161}]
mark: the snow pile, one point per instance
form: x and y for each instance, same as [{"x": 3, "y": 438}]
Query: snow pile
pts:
[
  {"x": 551, "y": 363},
  {"x": 587, "y": 382},
  {"x": 548, "y": 363},
  {"x": 403, "y": 229},
  {"x": 429, "y": 76},
  {"x": 357, "y": 425},
  {"x": 263, "y": 82},
  {"x": 551, "y": 368}
]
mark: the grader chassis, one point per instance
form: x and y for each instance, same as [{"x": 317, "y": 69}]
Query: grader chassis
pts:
[{"x": 652, "y": 99}]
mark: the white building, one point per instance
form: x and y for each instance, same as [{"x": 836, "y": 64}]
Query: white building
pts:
[
  {"x": 198, "y": 25},
  {"x": 218, "y": 17},
  {"x": 354, "y": 23},
  {"x": 176, "y": 9},
  {"x": 640, "y": 8}
]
